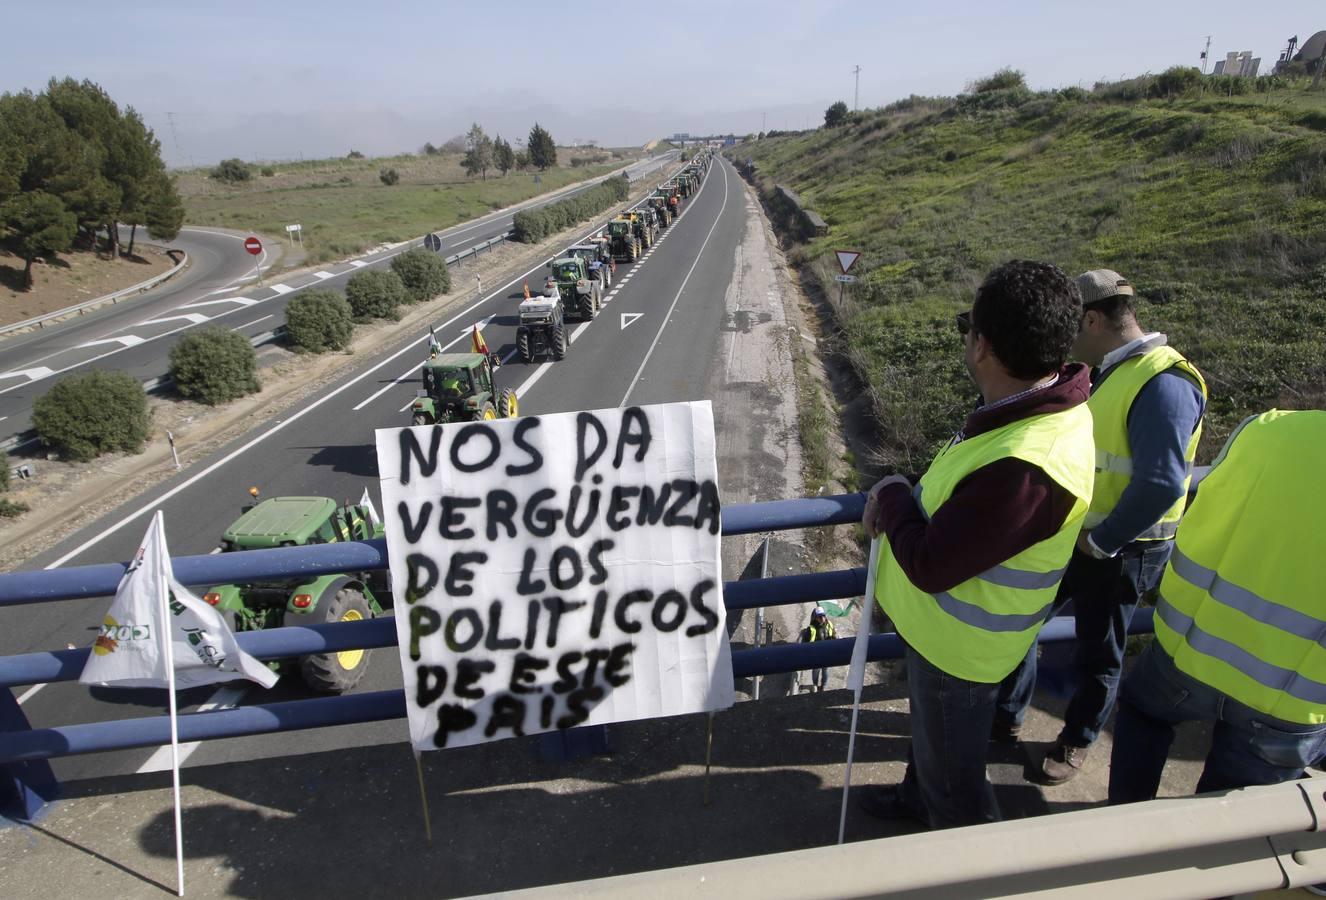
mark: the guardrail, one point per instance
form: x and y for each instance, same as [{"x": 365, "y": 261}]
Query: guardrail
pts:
[
  {"x": 80, "y": 308},
  {"x": 25, "y": 749}
]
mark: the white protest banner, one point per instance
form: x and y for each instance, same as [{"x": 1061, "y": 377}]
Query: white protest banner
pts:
[
  {"x": 129, "y": 651},
  {"x": 555, "y": 571}
]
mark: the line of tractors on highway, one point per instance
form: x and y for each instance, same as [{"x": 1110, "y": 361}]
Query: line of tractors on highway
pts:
[{"x": 458, "y": 387}]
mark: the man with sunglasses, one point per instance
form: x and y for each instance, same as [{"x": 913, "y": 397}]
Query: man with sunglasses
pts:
[
  {"x": 974, "y": 553},
  {"x": 1147, "y": 403}
]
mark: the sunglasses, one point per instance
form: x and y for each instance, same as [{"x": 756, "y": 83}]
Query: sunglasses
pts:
[{"x": 964, "y": 323}]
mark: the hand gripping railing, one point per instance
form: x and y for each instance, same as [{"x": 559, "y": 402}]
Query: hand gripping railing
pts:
[{"x": 23, "y": 750}]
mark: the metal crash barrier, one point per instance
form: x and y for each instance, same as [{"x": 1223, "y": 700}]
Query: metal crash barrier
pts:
[{"x": 27, "y": 782}]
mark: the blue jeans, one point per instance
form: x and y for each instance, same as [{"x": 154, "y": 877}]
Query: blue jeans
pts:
[
  {"x": 945, "y": 782},
  {"x": 1105, "y": 592},
  {"x": 1247, "y": 747}
]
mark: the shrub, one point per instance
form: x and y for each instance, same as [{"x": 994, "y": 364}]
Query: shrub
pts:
[
  {"x": 268, "y": 171},
  {"x": 4, "y": 471},
  {"x": 375, "y": 294},
  {"x": 424, "y": 274},
  {"x": 213, "y": 365},
  {"x": 1005, "y": 79},
  {"x": 1176, "y": 80},
  {"x": 389, "y": 177},
  {"x": 354, "y": 154},
  {"x": 231, "y": 171},
  {"x": 532, "y": 226},
  {"x": 318, "y": 320},
  {"x": 92, "y": 413}
]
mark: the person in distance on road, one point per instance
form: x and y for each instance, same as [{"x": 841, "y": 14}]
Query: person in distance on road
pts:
[
  {"x": 1239, "y": 620},
  {"x": 974, "y": 553},
  {"x": 1147, "y": 403}
]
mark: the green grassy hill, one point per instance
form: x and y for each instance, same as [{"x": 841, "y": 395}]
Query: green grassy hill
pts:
[{"x": 1214, "y": 206}]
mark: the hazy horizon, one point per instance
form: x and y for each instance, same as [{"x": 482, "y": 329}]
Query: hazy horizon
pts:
[{"x": 314, "y": 81}]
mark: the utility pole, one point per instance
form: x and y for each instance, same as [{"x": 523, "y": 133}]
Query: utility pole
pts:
[
  {"x": 764, "y": 120},
  {"x": 179, "y": 154},
  {"x": 1206, "y": 54},
  {"x": 856, "y": 92}
]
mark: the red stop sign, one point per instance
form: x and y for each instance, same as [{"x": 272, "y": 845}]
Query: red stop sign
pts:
[{"x": 253, "y": 245}]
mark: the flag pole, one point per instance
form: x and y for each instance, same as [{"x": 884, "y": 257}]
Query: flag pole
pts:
[
  {"x": 168, "y": 643},
  {"x": 423, "y": 797},
  {"x": 856, "y": 676}
]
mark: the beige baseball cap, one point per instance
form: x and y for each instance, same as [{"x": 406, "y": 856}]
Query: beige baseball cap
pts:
[{"x": 1102, "y": 284}]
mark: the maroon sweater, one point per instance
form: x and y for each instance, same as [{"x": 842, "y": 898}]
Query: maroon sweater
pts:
[{"x": 994, "y": 513}]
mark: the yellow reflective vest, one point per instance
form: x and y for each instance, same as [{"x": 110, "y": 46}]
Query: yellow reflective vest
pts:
[
  {"x": 1242, "y": 603},
  {"x": 980, "y": 629},
  {"x": 1111, "y": 400}
]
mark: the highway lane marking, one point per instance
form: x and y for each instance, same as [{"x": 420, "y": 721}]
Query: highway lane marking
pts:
[
  {"x": 628, "y": 319},
  {"x": 36, "y": 373},
  {"x": 124, "y": 340},
  {"x": 281, "y": 425},
  {"x": 358, "y": 263},
  {"x": 254, "y": 322},
  {"x": 323, "y": 275},
  {"x": 406, "y": 406},
  {"x": 668, "y": 315},
  {"x": 398, "y": 379},
  {"x": 227, "y": 697},
  {"x": 543, "y": 367},
  {"x": 242, "y": 301},
  {"x": 282, "y": 289},
  {"x": 214, "y": 551},
  {"x": 195, "y": 318}
]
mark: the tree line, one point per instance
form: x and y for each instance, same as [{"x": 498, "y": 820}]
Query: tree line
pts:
[
  {"x": 483, "y": 152},
  {"x": 73, "y": 163}
]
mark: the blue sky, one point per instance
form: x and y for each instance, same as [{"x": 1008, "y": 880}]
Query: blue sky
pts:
[{"x": 278, "y": 80}]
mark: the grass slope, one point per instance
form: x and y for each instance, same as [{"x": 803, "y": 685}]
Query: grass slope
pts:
[
  {"x": 1215, "y": 207},
  {"x": 345, "y": 208}
]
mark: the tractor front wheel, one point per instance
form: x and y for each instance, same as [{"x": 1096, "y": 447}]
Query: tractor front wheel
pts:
[
  {"x": 507, "y": 405},
  {"x": 488, "y": 413},
  {"x": 337, "y": 673},
  {"x": 558, "y": 343}
]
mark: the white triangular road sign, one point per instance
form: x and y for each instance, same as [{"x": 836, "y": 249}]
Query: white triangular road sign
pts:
[
  {"x": 846, "y": 259},
  {"x": 628, "y": 318}
]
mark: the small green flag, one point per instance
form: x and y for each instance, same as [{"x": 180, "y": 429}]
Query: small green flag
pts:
[{"x": 834, "y": 610}]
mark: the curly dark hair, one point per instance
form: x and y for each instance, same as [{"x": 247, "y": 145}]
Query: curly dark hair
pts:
[{"x": 1031, "y": 313}]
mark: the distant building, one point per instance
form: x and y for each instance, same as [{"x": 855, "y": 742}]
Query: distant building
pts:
[
  {"x": 1239, "y": 64},
  {"x": 681, "y": 136}
]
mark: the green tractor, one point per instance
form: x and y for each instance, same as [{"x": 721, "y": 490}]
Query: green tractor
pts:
[
  {"x": 581, "y": 292},
  {"x": 345, "y": 597},
  {"x": 671, "y": 192},
  {"x": 644, "y": 223},
  {"x": 659, "y": 203},
  {"x": 625, "y": 243},
  {"x": 598, "y": 257},
  {"x": 458, "y": 387}
]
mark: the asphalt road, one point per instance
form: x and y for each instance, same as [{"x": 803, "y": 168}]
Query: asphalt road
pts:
[
  {"x": 136, "y": 336},
  {"x": 656, "y": 340}
]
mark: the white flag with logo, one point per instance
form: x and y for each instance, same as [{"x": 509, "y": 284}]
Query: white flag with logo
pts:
[{"x": 128, "y": 651}]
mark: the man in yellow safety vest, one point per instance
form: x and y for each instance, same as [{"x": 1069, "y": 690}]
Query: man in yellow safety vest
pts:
[
  {"x": 974, "y": 553},
  {"x": 1240, "y": 620},
  {"x": 1146, "y": 403}
]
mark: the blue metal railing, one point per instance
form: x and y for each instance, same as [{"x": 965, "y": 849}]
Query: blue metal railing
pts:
[{"x": 23, "y": 751}]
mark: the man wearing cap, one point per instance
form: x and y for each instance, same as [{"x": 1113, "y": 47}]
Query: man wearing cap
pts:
[
  {"x": 1147, "y": 403},
  {"x": 819, "y": 629},
  {"x": 973, "y": 555}
]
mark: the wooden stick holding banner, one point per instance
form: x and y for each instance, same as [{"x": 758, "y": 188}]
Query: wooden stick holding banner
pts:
[
  {"x": 708, "y": 756},
  {"x": 856, "y": 676},
  {"x": 423, "y": 797},
  {"x": 168, "y": 645}
]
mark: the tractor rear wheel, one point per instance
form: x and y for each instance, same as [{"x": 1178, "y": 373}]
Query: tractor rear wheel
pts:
[
  {"x": 558, "y": 343},
  {"x": 522, "y": 344},
  {"x": 587, "y": 306},
  {"x": 507, "y": 405},
  {"x": 336, "y": 673}
]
